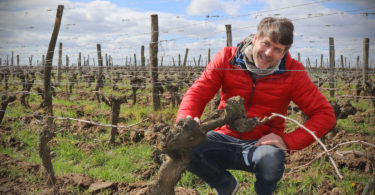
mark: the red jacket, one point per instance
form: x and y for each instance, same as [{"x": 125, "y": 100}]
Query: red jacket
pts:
[{"x": 263, "y": 96}]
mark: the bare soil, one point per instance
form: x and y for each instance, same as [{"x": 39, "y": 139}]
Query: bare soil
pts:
[{"x": 29, "y": 177}]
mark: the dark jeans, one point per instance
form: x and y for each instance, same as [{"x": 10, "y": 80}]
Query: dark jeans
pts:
[{"x": 211, "y": 159}]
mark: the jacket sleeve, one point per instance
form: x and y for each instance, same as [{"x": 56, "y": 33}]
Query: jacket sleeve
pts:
[
  {"x": 203, "y": 89},
  {"x": 311, "y": 101}
]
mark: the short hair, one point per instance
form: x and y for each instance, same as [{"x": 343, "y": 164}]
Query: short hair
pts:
[{"x": 280, "y": 30}]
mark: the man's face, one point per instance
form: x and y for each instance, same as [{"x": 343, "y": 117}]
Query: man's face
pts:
[{"x": 267, "y": 53}]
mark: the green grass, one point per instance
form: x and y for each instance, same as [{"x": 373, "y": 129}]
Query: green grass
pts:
[
  {"x": 125, "y": 162},
  {"x": 351, "y": 127},
  {"x": 118, "y": 163}
]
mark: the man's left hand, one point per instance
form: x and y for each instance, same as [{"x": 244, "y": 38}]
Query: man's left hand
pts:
[{"x": 272, "y": 139}]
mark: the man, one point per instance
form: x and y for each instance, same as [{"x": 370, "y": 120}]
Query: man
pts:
[{"x": 260, "y": 70}]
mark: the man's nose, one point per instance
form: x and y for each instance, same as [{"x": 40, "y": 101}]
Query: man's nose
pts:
[{"x": 268, "y": 52}]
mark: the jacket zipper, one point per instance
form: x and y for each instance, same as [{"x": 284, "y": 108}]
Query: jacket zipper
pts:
[
  {"x": 252, "y": 92},
  {"x": 251, "y": 98}
]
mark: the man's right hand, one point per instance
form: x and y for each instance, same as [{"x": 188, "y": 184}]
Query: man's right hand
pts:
[{"x": 195, "y": 118}]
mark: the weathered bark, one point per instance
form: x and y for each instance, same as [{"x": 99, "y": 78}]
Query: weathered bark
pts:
[
  {"x": 72, "y": 81},
  {"x": 321, "y": 60},
  {"x": 5, "y": 75},
  {"x": 46, "y": 134},
  {"x": 12, "y": 59},
  {"x": 115, "y": 103},
  {"x": 67, "y": 64},
  {"x": 27, "y": 84},
  {"x": 154, "y": 62},
  {"x": 136, "y": 83},
  {"x": 116, "y": 80},
  {"x": 135, "y": 60},
  {"x": 228, "y": 29},
  {"x": 331, "y": 67},
  {"x": 59, "y": 64},
  {"x": 185, "y": 58},
  {"x": 143, "y": 58},
  {"x": 31, "y": 60},
  {"x": 79, "y": 66},
  {"x": 209, "y": 56},
  {"x": 173, "y": 87},
  {"x": 179, "y": 141},
  {"x": 100, "y": 79},
  {"x": 5, "y": 100}
]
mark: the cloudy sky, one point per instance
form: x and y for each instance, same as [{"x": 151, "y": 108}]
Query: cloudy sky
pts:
[{"x": 122, "y": 27}]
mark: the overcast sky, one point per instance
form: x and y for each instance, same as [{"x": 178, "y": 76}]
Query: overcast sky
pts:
[{"x": 122, "y": 27}]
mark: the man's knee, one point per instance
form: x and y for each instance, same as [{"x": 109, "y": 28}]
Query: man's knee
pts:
[
  {"x": 269, "y": 163},
  {"x": 213, "y": 136}
]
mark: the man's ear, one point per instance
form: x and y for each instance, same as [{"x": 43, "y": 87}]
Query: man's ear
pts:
[{"x": 255, "y": 38}]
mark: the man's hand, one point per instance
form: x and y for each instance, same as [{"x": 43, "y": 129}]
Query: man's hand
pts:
[
  {"x": 195, "y": 118},
  {"x": 272, "y": 139}
]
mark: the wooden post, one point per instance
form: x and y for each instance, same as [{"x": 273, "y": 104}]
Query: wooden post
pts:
[
  {"x": 18, "y": 60},
  {"x": 43, "y": 61},
  {"x": 12, "y": 62},
  {"x": 135, "y": 60},
  {"x": 179, "y": 60},
  {"x": 321, "y": 60},
  {"x": 299, "y": 57},
  {"x": 308, "y": 62},
  {"x": 185, "y": 58},
  {"x": 106, "y": 61},
  {"x": 79, "y": 65},
  {"x": 126, "y": 61},
  {"x": 357, "y": 63},
  {"x": 366, "y": 47},
  {"x": 209, "y": 56},
  {"x": 332, "y": 66},
  {"x": 110, "y": 62},
  {"x": 342, "y": 62},
  {"x": 99, "y": 81},
  {"x": 30, "y": 60},
  {"x": 46, "y": 135},
  {"x": 59, "y": 64},
  {"x": 100, "y": 60},
  {"x": 154, "y": 61},
  {"x": 67, "y": 63},
  {"x": 228, "y": 29},
  {"x": 199, "y": 59},
  {"x": 143, "y": 58}
]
